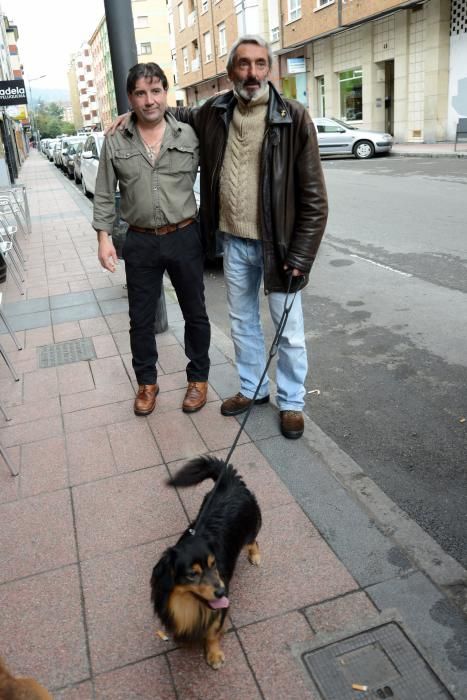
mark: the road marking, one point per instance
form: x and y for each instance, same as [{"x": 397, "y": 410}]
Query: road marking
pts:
[{"x": 386, "y": 267}]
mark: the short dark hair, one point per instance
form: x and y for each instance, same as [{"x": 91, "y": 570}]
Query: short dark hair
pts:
[
  {"x": 145, "y": 70},
  {"x": 247, "y": 39}
]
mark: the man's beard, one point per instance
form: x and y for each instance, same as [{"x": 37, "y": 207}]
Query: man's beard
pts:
[{"x": 240, "y": 88}]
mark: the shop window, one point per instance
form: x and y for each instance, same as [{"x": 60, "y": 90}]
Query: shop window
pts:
[
  {"x": 350, "y": 87},
  {"x": 321, "y": 96}
]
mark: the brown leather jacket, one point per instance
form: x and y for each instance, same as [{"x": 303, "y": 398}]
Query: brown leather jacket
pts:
[{"x": 293, "y": 194}]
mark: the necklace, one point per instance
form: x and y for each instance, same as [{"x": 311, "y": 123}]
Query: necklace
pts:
[{"x": 152, "y": 148}]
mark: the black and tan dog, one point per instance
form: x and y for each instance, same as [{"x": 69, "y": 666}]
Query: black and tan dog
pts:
[
  {"x": 190, "y": 583},
  {"x": 12, "y": 688}
]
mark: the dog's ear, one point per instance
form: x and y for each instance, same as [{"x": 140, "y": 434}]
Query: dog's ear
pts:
[{"x": 162, "y": 578}]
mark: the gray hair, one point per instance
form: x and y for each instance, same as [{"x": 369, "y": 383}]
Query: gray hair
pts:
[{"x": 248, "y": 39}]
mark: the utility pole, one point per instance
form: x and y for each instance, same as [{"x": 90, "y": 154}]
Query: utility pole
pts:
[{"x": 123, "y": 54}]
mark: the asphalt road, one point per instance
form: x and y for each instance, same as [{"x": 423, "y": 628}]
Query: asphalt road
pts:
[{"x": 386, "y": 320}]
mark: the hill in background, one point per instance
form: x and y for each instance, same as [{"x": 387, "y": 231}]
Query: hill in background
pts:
[{"x": 49, "y": 95}]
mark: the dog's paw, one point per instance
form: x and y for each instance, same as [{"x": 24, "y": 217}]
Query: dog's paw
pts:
[
  {"x": 215, "y": 659},
  {"x": 255, "y": 558}
]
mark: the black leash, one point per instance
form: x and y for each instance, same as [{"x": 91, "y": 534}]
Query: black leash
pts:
[{"x": 272, "y": 353}]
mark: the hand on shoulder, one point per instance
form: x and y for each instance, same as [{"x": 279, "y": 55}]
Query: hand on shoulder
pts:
[{"x": 119, "y": 122}]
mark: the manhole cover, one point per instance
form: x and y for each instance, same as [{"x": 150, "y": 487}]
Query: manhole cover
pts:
[
  {"x": 382, "y": 663},
  {"x": 66, "y": 352}
]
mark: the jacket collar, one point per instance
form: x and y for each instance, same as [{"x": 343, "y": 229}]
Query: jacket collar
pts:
[
  {"x": 278, "y": 112},
  {"x": 172, "y": 123}
]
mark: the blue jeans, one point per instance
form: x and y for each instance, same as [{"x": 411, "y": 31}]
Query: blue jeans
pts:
[{"x": 243, "y": 273}]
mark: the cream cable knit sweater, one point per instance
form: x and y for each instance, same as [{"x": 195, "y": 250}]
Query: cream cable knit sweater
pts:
[{"x": 239, "y": 181}]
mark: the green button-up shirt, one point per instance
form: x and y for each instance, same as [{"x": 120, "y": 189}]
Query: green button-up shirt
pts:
[{"x": 152, "y": 194}]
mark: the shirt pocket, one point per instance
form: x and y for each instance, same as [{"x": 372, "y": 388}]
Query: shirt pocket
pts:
[
  {"x": 127, "y": 164},
  {"x": 182, "y": 159}
]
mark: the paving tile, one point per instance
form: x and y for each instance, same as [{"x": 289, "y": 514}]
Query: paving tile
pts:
[
  {"x": 216, "y": 430},
  {"x": 118, "y": 322},
  {"x": 43, "y": 467},
  {"x": 39, "y": 336},
  {"x": 22, "y": 361},
  {"x": 83, "y": 691},
  {"x": 35, "y": 320},
  {"x": 313, "y": 573},
  {"x": 126, "y": 510},
  {"x": 165, "y": 339},
  {"x": 26, "y": 307},
  {"x": 34, "y": 410},
  {"x": 168, "y": 401},
  {"x": 176, "y": 436},
  {"x": 66, "y": 300},
  {"x": 267, "y": 646},
  {"x": 36, "y": 534},
  {"x": 40, "y": 384},
  {"x": 89, "y": 456},
  {"x": 194, "y": 679},
  {"x": 100, "y": 415},
  {"x": 107, "y": 371},
  {"x": 8, "y": 342},
  {"x": 119, "y": 616},
  {"x": 93, "y": 326},
  {"x": 137, "y": 682},
  {"x": 58, "y": 288},
  {"x": 79, "y": 285},
  {"x": 75, "y": 313},
  {"x": 97, "y": 397},
  {"x": 122, "y": 341},
  {"x": 9, "y": 485},
  {"x": 133, "y": 445},
  {"x": 105, "y": 346},
  {"x": 41, "y": 628},
  {"x": 335, "y": 615},
  {"x": 109, "y": 293},
  {"x": 37, "y": 291},
  {"x": 67, "y": 331},
  {"x": 74, "y": 378},
  {"x": 170, "y": 382},
  {"x": 172, "y": 358},
  {"x": 30, "y": 432}
]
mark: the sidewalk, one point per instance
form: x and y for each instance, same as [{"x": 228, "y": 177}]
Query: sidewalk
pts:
[
  {"x": 429, "y": 150},
  {"x": 89, "y": 515}
]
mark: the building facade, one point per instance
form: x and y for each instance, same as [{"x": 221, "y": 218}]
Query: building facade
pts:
[
  {"x": 391, "y": 65},
  {"x": 87, "y": 88},
  {"x": 72, "y": 76},
  {"x": 102, "y": 66}
]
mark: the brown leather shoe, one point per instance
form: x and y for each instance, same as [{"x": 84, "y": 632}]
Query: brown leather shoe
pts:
[
  {"x": 145, "y": 401},
  {"x": 292, "y": 424},
  {"x": 239, "y": 404},
  {"x": 195, "y": 397}
]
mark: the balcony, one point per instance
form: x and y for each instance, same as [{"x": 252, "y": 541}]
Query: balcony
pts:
[{"x": 191, "y": 18}]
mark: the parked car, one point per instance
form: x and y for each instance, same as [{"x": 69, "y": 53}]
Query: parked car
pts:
[
  {"x": 49, "y": 151},
  {"x": 77, "y": 163},
  {"x": 68, "y": 150},
  {"x": 90, "y": 161},
  {"x": 57, "y": 153},
  {"x": 335, "y": 136}
]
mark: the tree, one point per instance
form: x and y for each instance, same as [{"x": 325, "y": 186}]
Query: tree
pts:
[{"x": 49, "y": 120}]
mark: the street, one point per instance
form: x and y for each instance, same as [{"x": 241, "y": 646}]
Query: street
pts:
[{"x": 385, "y": 313}]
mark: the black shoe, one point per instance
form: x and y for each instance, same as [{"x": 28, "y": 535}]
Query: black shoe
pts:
[{"x": 239, "y": 404}]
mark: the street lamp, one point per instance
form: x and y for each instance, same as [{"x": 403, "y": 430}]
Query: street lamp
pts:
[{"x": 34, "y": 131}]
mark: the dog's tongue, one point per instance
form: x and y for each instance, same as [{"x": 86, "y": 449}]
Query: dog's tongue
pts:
[{"x": 218, "y": 603}]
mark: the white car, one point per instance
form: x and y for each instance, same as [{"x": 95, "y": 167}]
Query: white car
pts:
[
  {"x": 335, "y": 136},
  {"x": 90, "y": 161}
]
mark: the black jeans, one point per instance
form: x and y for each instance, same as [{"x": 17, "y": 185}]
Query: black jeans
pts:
[{"x": 146, "y": 258}]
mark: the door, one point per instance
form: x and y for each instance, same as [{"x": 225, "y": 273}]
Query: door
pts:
[{"x": 389, "y": 97}]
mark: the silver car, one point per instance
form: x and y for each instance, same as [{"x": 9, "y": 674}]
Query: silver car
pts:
[{"x": 335, "y": 136}]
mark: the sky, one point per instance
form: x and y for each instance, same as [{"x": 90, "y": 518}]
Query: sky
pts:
[{"x": 49, "y": 31}]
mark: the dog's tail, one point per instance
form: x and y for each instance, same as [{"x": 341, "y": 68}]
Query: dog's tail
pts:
[{"x": 198, "y": 470}]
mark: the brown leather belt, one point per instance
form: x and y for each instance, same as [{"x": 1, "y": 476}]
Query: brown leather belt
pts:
[{"x": 170, "y": 228}]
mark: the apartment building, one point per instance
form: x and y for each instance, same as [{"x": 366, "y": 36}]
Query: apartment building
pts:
[
  {"x": 77, "y": 117},
  {"x": 103, "y": 75},
  {"x": 87, "y": 87},
  {"x": 392, "y": 65}
]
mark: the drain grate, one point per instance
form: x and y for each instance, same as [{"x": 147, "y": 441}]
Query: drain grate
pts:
[
  {"x": 67, "y": 352},
  {"x": 382, "y": 661}
]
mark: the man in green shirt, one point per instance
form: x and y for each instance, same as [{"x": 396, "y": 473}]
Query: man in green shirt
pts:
[{"x": 155, "y": 160}]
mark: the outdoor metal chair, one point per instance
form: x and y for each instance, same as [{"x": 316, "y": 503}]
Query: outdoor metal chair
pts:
[
  {"x": 5, "y": 249},
  {"x": 18, "y": 200},
  {"x": 10, "y": 232}
]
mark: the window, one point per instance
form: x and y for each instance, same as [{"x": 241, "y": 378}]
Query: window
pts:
[
  {"x": 207, "y": 47},
  {"x": 181, "y": 16},
  {"x": 321, "y": 96},
  {"x": 222, "y": 39},
  {"x": 350, "y": 88},
  {"x": 82, "y": 78},
  {"x": 85, "y": 104},
  {"x": 145, "y": 48},
  {"x": 195, "y": 54},
  {"x": 204, "y": 6},
  {"x": 323, "y": 3},
  {"x": 88, "y": 69},
  {"x": 186, "y": 65},
  {"x": 141, "y": 22},
  {"x": 295, "y": 10},
  {"x": 275, "y": 34}
]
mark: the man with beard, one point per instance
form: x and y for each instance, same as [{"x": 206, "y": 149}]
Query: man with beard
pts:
[{"x": 262, "y": 187}]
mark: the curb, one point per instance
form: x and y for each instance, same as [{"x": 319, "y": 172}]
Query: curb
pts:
[{"x": 428, "y": 154}]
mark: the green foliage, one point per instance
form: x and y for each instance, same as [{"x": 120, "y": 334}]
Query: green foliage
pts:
[{"x": 49, "y": 120}]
